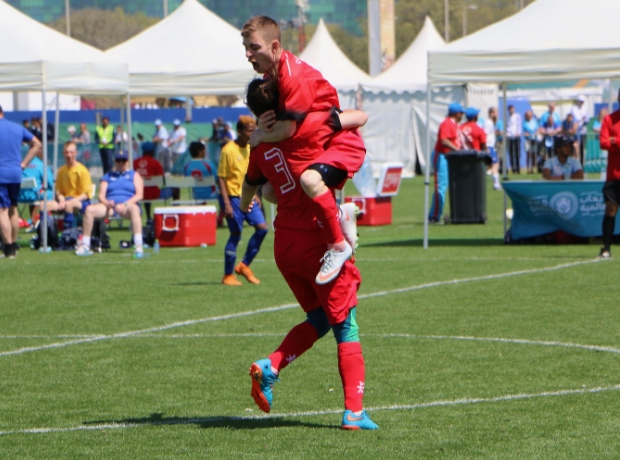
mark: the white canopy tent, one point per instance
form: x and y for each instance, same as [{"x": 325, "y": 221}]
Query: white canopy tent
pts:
[
  {"x": 38, "y": 58},
  {"x": 191, "y": 52},
  {"x": 323, "y": 54},
  {"x": 530, "y": 47},
  {"x": 396, "y": 101}
]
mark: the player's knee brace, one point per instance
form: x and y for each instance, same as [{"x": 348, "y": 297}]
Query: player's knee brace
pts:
[
  {"x": 318, "y": 319},
  {"x": 347, "y": 331},
  {"x": 233, "y": 242}
]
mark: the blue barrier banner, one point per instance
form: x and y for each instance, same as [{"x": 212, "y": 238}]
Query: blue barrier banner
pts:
[{"x": 540, "y": 207}]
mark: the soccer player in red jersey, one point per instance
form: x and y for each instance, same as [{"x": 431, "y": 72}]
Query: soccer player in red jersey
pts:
[
  {"x": 297, "y": 248},
  {"x": 610, "y": 141},
  {"x": 475, "y": 137},
  {"x": 303, "y": 90}
]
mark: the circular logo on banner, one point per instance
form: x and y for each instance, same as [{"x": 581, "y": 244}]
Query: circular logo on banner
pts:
[{"x": 565, "y": 204}]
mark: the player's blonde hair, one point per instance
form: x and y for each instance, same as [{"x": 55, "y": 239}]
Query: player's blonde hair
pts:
[
  {"x": 245, "y": 121},
  {"x": 264, "y": 25}
]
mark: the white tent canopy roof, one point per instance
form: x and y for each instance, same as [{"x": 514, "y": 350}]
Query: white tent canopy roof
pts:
[
  {"x": 408, "y": 73},
  {"x": 35, "y": 57},
  {"x": 191, "y": 52},
  {"x": 323, "y": 54},
  {"x": 549, "y": 40}
]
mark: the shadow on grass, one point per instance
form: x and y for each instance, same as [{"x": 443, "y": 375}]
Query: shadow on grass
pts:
[
  {"x": 198, "y": 283},
  {"x": 439, "y": 242},
  {"x": 235, "y": 423}
]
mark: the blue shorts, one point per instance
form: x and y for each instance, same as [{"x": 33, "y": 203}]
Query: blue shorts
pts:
[
  {"x": 493, "y": 155},
  {"x": 9, "y": 193},
  {"x": 84, "y": 204},
  {"x": 254, "y": 217}
]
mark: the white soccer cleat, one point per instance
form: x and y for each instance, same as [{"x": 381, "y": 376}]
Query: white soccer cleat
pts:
[
  {"x": 348, "y": 224},
  {"x": 333, "y": 261},
  {"x": 83, "y": 251}
]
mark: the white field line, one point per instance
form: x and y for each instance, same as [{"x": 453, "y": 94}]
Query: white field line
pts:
[
  {"x": 285, "y": 307},
  {"x": 95, "y": 261},
  {"x": 399, "y": 407},
  {"x": 545, "y": 343}
]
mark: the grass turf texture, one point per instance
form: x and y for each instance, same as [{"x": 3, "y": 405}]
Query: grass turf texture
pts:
[{"x": 116, "y": 386}]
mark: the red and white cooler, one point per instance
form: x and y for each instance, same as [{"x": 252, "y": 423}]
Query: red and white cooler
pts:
[
  {"x": 185, "y": 225},
  {"x": 377, "y": 210}
]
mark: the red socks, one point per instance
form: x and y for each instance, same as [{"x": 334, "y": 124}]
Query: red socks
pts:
[
  {"x": 297, "y": 341},
  {"x": 351, "y": 367},
  {"x": 326, "y": 212}
]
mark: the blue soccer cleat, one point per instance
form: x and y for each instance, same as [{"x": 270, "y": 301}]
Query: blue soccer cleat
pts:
[
  {"x": 263, "y": 379},
  {"x": 350, "y": 421}
]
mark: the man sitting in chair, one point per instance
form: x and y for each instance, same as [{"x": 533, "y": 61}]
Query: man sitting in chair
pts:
[
  {"x": 120, "y": 192},
  {"x": 74, "y": 186},
  {"x": 201, "y": 169}
]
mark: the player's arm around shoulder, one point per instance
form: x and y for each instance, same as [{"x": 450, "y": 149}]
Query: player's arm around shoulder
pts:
[{"x": 352, "y": 119}]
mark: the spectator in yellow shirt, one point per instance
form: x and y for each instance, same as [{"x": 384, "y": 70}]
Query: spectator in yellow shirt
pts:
[
  {"x": 74, "y": 186},
  {"x": 231, "y": 172}
]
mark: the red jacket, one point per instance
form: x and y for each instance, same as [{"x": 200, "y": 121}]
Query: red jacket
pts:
[{"x": 611, "y": 129}]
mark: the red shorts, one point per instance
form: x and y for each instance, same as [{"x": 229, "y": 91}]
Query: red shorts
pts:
[
  {"x": 298, "y": 255},
  {"x": 345, "y": 151}
]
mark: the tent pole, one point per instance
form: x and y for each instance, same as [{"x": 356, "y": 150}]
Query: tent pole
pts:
[
  {"x": 129, "y": 134},
  {"x": 122, "y": 110},
  {"x": 57, "y": 129},
  {"x": 427, "y": 172},
  {"x": 44, "y": 132},
  {"x": 504, "y": 151}
]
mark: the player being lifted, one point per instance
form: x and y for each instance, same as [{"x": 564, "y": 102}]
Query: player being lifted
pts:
[
  {"x": 303, "y": 90},
  {"x": 298, "y": 244}
]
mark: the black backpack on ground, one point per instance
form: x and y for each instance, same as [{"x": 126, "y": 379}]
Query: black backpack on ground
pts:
[
  {"x": 69, "y": 239},
  {"x": 53, "y": 241}
]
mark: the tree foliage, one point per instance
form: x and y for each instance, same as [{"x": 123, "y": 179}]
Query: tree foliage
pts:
[{"x": 104, "y": 29}]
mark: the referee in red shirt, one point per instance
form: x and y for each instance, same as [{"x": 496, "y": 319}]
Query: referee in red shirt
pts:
[{"x": 610, "y": 141}]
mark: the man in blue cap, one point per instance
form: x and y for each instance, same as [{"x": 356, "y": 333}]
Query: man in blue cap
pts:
[{"x": 449, "y": 139}]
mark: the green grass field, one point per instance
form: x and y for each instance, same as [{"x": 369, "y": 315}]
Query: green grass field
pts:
[{"x": 473, "y": 350}]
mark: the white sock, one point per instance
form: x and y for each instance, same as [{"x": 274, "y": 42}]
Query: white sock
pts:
[
  {"x": 137, "y": 240},
  {"x": 496, "y": 179},
  {"x": 86, "y": 241}
]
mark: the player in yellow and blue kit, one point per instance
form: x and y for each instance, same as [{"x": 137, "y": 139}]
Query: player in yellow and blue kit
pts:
[{"x": 231, "y": 172}]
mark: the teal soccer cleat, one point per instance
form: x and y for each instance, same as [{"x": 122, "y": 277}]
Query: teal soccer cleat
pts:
[
  {"x": 350, "y": 421},
  {"x": 263, "y": 379}
]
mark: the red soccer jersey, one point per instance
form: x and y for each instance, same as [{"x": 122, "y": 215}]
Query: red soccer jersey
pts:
[
  {"x": 276, "y": 164},
  {"x": 474, "y": 135},
  {"x": 448, "y": 130},
  {"x": 611, "y": 128},
  {"x": 302, "y": 88},
  {"x": 149, "y": 167}
]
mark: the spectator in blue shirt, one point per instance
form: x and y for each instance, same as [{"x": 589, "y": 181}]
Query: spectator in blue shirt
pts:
[
  {"x": 35, "y": 170},
  {"x": 201, "y": 168},
  {"x": 530, "y": 132},
  {"x": 563, "y": 166},
  {"x": 12, "y": 136},
  {"x": 550, "y": 113},
  {"x": 548, "y": 131}
]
